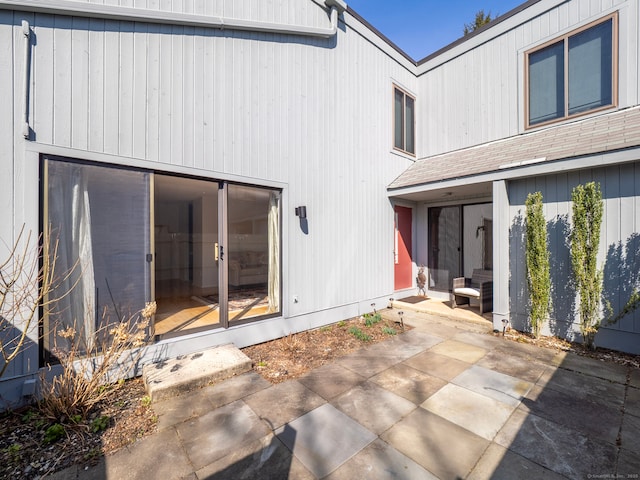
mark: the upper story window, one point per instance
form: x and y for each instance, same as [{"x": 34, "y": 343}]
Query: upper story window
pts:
[
  {"x": 403, "y": 121},
  {"x": 574, "y": 74}
]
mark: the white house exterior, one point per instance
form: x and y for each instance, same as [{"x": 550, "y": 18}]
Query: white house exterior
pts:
[{"x": 253, "y": 157}]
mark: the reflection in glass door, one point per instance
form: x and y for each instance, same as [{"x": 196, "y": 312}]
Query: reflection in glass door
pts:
[
  {"x": 217, "y": 254},
  {"x": 252, "y": 252},
  {"x": 99, "y": 218}
]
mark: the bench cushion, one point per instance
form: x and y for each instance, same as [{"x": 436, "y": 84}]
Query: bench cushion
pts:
[{"x": 467, "y": 292}]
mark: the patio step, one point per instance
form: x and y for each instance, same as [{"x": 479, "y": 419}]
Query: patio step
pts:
[{"x": 188, "y": 372}]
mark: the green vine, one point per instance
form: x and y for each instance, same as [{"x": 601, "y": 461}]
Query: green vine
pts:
[
  {"x": 538, "y": 270},
  {"x": 585, "y": 240}
]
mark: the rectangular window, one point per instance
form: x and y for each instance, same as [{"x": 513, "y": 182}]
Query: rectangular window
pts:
[
  {"x": 573, "y": 75},
  {"x": 404, "y": 121}
]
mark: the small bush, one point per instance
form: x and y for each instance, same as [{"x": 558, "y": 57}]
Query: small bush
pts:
[
  {"x": 389, "y": 331},
  {"x": 54, "y": 433},
  {"x": 359, "y": 334},
  {"x": 99, "y": 424},
  {"x": 371, "y": 319}
]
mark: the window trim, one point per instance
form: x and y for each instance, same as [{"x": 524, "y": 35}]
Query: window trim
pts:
[
  {"x": 565, "y": 40},
  {"x": 405, "y": 94}
]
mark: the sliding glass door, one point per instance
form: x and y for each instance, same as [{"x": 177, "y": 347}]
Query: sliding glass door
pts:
[
  {"x": 445, "y": 253},
  {"x": 207, "y": 251},
  {"x": 99, "y": 219},
  {"x": 185, "y": 252},
  {"x": 217, "y": 254},
  {"x": 253, "y": 252}
]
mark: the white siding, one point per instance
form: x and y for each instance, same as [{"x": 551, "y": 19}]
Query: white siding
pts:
[
  {"x": 478, "y": 95},
  {"x": 312, "y": 114},
  {"x": 618, "y": 254}
]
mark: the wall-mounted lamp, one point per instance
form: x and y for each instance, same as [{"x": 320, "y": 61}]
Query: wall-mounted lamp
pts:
[{"x": 301, "y": 212}]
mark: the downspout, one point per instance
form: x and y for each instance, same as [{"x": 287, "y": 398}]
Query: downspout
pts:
[
  {"x": 112, "y": 12},
  {"x": 26, "y": 31}
]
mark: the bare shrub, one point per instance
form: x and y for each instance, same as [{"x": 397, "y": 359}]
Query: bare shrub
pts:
[
  {"x": 88, "y": 371},
  {"x": 28, "y": 281}
]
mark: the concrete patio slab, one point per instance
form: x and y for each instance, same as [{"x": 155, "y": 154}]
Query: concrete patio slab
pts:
[
  {"x": 498, "y": 463},
  {"x": 283, "y": 402},
  {"x": 501, "y": 361},
  {"x": 477, "y": 413},
  {"x": 563, "y": 450},
  {"x": 635, "y": 377},
  {"x": 266, "y": 457},
  {"x": 596, "y": 368},
  {"x": 486, "y": 340},
  {"x": 366, "y": 364},
  {"x": 443, "y": 448},
  {"x": 189, "y": 372},
  {"x": 571, "y": 411},
  {"x": 373, "y": 407},
  {"x": 409, "y": 383},
  {"x": 380, "y": 461},
  {"x": 219, "y": 433},
  {"x": 159, "y": 453},
  {"x": 440, "y": 366},
  {"x": 324, "y": 439},
  {"x": 183, "y": 407},
  {"x": 633, "y": 402},
  {"x": 398, "y": 350},
  {"x": 584, "y": 387},
  {"x": 422, "y": 339},
  {"x": 629, "y": 433},
  {"x": 460, "y": 351},
  {"x": 437, "y": 328},
  {"x": 527, "y": 352},
  {"x": 331, "y": 380},
  {"x": 628, "y": 463},
  {"x": 496, "y": 385}
]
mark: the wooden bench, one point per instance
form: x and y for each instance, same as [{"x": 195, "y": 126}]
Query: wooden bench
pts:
[{"x": 479, "y": 286}]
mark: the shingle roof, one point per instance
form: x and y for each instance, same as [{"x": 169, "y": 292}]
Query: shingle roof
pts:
[{"x": 604, "y": 133}]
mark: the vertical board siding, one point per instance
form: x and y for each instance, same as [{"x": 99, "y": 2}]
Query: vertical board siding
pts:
[
  {"x": 477, "y": 94},
  {"x": 618, "y": 254},
  {"x": 313, "y": 114}
]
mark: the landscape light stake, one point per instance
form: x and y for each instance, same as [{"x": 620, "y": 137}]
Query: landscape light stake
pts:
[
  {"x": 400, "y": 314},
  {"x": 373, "y": 306}
]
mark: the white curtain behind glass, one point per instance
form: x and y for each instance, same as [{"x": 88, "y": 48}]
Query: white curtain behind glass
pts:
[
  {"x": 274, "y": 253},
  {"x": 70, "y": 225}
]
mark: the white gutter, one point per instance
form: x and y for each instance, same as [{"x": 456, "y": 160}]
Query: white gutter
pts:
[
  {"x": 25, "y": 79},
  {"x": 112, "y": 12}
]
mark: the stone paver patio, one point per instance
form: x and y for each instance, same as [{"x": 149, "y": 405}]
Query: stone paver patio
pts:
[{"x": 445, "y": 400}]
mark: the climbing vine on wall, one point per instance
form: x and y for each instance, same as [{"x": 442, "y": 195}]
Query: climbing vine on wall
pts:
[
  {"x": 585, "y": 240},
  {"x": 537, "y": 255}
]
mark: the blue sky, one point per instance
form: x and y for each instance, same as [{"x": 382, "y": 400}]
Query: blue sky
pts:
[{"x": 420, "y": 27}]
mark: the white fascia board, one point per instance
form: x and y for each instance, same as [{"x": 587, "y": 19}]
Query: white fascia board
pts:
[
  {"x": 114, "y": 12},
  {"x": 530, "y": 170},
  {"x": 489, "y": 34}
]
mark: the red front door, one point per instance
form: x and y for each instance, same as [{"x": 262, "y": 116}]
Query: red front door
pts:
[{"x": 402, "y": 248}]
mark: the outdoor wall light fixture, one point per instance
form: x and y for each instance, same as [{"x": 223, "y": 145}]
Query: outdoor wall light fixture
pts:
[{"x": 301, "y": 212}]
